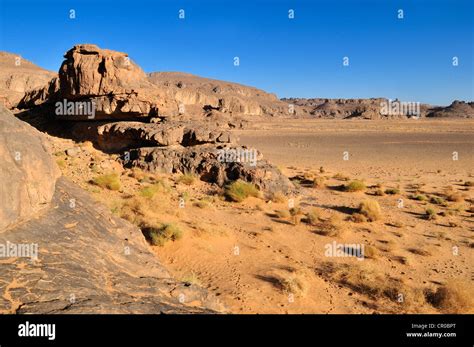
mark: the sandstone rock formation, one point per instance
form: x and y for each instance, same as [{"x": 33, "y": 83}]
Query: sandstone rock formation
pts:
[
  {"x": 348, "y": 108},
  {"x": 18, "y": 76},
  {"x": 182, "y": 119},
  {"x": 458, "y": 109},
  {"x": 204, "y": 96},
  {"x": 27, "y": 171}
]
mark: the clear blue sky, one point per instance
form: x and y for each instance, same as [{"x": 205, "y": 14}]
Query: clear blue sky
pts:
[{"x": 410, "y": 59}]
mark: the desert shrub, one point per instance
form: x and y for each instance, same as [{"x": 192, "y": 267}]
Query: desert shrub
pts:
[
  {"x": 359, "y": 218},
  {"x": 187, "y": 179},
  {"x": 150, "y": 191},
  {"x": 283, "y": 214},
  {"x": 191, "y": 278},
  {"x": 419, "y": 197},
  {"x": 330, "y": 227},
  {"x": 318, "y": 182},
  {"x": 437, "y": 200},
  {"x": 455, "y": 297},
  {"x": 296, "y": 215},
  {"x": 294, "y": 284},
  {"x": 430, "y": 214},
  {"x": 312, "y": 217},
  {"x": 240, "y": 190},
  {"x": 110, "y": 181},
  {"x": 278, "y": 197},
  {"x": 158, "y": 236},
  {"x": 61, "y": 163},
  {"x": 379, "y": 192},
  {"x": 355, "y": 186},
  {"x": 392, "y": 191},
  {"x": 370, "y": 209}
]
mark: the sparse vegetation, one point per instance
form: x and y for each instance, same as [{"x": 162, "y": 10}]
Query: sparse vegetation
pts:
[
  {"x": 330, "y": 227},
  {"x": 187, "y": 179},
  {"x": 312, "y": 217},
  {"x": 430, "y": 214},
  {"x": 191, "y": 279},
  {"x": 371, "y": 210},
  {"x": 158, "y": 236},
  {"x": 110, "y": 181},
  {"x": 240, "y": 190},
  {"x": 61, "y": 163},
  {"x": 284, "y": 214},
  {"x": 278, "y": 197},
  {"x": 454, "y": 297},
  {"x": 318, "y": 182},
  {"x": 392, "y": 191},
  {"x": 419, "y": 197},
  {"x": 296, "y": 215},
  {"x": 355, "y": 186},
  {"x": 437, "y": 200},
  {"x": 150, "y": 191}
]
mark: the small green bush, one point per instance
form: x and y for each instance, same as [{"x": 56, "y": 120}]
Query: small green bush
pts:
[
  {"x": 240, "y": 190},
  {"x": 355, "y": 186}
]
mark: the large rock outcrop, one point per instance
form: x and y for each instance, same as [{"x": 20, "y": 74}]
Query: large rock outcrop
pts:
[
  {"x": 376, "y": 108},
  {"x": 182, "y": 119},
  {"x": 27, "y": 170},
  {"x": 458, "y": 109}
]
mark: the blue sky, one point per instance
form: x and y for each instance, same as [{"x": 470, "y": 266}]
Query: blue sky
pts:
[{"x": 410, "y": 59}]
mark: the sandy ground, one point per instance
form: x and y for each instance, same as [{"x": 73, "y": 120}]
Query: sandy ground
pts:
[{"x": 257, "y": 262}]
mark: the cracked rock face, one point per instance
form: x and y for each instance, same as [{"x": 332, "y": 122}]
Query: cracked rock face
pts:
[{"x": 27, "y": 170}]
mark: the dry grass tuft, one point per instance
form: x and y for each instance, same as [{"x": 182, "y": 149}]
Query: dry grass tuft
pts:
[
  {"x": 455, "y": 297},
  {"x": 355, "y": 186},
  {"x": 330, "y": 227},
  {"x": 158, "y": 236},
  {"x": 187, "y": 179},
  {"x": 240, "y": 190},
  {"x": 371, "y": 210},
  {"x": 110, "y": 181}
]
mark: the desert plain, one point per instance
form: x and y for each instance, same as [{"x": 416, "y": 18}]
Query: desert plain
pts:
[{"x": 258, "y": 258}]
